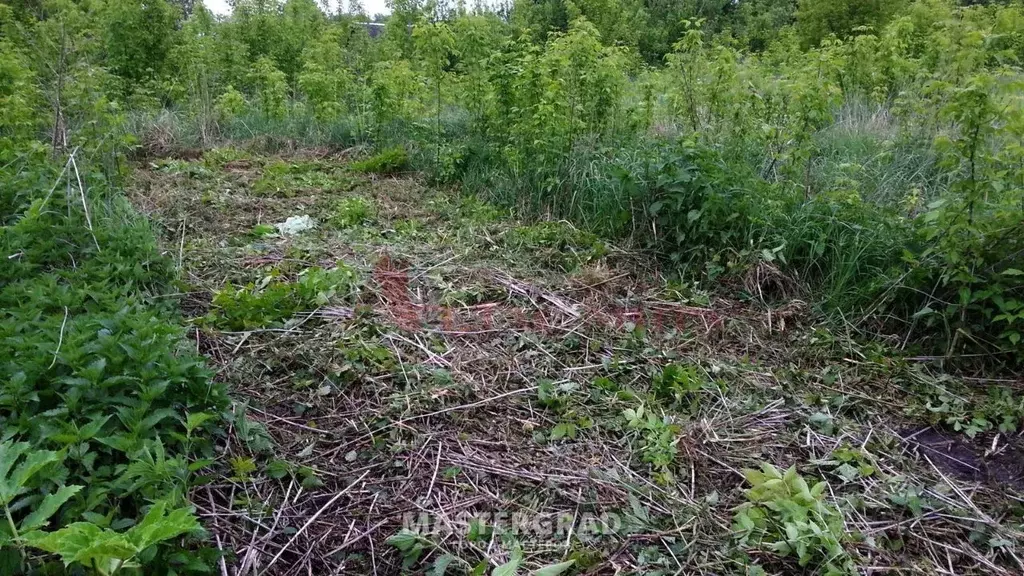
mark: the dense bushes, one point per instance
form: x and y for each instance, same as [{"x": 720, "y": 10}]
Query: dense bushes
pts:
[
  {"x": 106, "y": 409},
  {"x": 95, "y": 373}
]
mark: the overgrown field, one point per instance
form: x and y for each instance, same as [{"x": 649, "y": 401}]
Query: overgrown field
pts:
[
  {"x": 549, "y": 287},
  {"x": 431, "y": 384}
]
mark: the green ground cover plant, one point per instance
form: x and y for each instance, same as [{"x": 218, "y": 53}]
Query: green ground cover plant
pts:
[
  {"x": 272, "y": 301},
  {"x": 100, "y": 389}
]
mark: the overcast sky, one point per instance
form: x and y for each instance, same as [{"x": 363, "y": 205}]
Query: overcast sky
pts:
[{"x": 371, "y": 7}]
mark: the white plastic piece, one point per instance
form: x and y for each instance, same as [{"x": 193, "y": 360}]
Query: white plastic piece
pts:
[{"x": 295, "y": 225}]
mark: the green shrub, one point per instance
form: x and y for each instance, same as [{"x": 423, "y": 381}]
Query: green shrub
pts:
[
  {"x": 229, "y": 104},
  {"x": 817, "y": 19},
  {"x": 388, "y": 161},
  {"x": 272, "y": 301},
  {"x": 270, "y": 86},
  {"x": 785, "y": 516},
  {"x": 697, "y": 209},
  {"x": 19, "y": 99}
]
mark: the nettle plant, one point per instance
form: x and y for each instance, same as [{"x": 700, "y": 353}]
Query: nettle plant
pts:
[
  {"x": 679, "y": 386},
  {"x": 353, "y": 211},
  {"x": 23, "y": 473},
  {"x": 104, "y": 407}
]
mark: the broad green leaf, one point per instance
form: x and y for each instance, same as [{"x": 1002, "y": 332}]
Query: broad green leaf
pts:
[
  {"x": 196, "y": 419},
  {"x": 92, "y": 428},
  {"x": 923, "y": 312},
  {"x": 404, "y": 540},
  {"x": 32, "y": 463},
  {"x": 156, "y": 527},
  {"x": 792, "y": 532},
  {"x": 48, "y": 507},
  {"x": 800, "y": 486},
  {"x": 9, "y": 454},
  {"x": 818, "y": 489},
  {"x": 754, "y": 477},
  {"x": 743, "y": 519},
  {"x": 790, "y": 474},
  {"x": 84, "y": 543},
  {"x": 555, "y": 569},
  {"x": 771, "y": 471},
  {"x": 847, "y": 472}
]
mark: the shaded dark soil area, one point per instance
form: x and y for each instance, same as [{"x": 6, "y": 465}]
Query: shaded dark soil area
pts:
[{"x": 997, "y": 460}]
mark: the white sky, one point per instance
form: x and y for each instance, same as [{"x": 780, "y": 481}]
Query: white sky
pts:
[{"x": 371, "y": 7}]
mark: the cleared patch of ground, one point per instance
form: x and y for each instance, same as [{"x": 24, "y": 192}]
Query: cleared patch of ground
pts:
[{"x": 424, "y": 384}]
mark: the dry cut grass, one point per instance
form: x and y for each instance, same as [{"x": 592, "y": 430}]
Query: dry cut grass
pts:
[{"x": 483, "y": 371}]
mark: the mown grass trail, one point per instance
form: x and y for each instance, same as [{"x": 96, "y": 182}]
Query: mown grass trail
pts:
[{"x": 527, "y": 395}]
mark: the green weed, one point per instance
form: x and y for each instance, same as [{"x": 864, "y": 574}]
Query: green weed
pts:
[
  {"x": 556, "y": 244},
  {"x": 261, "y": 230},
  {"x": 787, "y": 517},
  {"x": 679, "y": 386},
  {"x": 283, "y": 179},
  {"x": 948, "y": 403},
  {"x": 411, "y": 546},
  {"x": 104, "y": 406},
  {"x": 272, "y": 301},
  {"x": 218, "y": 157},
  {"x": 388, "y": 161},
  {"x": 108, "y": 552},
  {"x": 659, "y": 438},
  {"x": 351, "y": 212},
  {"x": 471, "y": 210}
]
